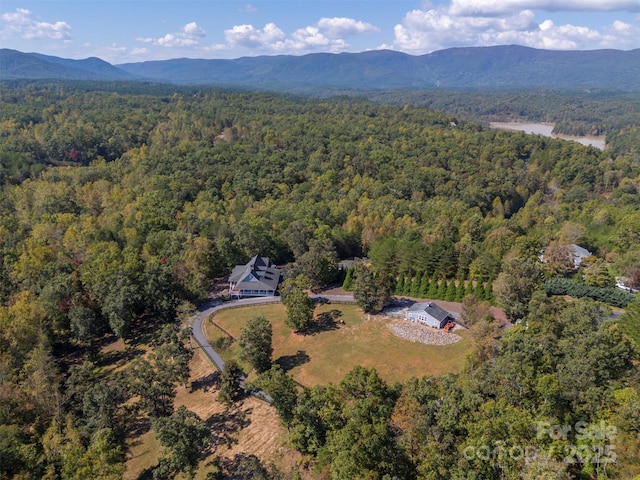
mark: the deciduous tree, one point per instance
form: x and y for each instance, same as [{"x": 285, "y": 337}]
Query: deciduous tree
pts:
[
  {"x": 230, "y": 379},
  {"x": 184, "y": 436},
  {"x": 515, "y": 285},
  {"x": 299, "y": 309},
  {"x": 255, "y": 343},
  {"x": 371, "y": 291},
  {"x": 282, "y": 390}
]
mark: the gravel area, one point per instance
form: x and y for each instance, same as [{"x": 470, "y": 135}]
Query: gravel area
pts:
[{"x": 415, "y": 332}]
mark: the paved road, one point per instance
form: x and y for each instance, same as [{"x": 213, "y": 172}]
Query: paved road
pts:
[{"x": 206, "y": 309}]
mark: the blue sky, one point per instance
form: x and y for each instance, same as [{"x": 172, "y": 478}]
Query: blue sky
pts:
[{"x": 128, "y": 31}]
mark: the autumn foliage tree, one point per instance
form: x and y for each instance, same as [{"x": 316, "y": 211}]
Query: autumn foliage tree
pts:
[{"x": 515, "y": 285}]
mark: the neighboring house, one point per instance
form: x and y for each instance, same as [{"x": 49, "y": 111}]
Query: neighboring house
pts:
[
  {"x": 429, "y": 314},
  {"x": 258, "y": 278},
  {"x": 344, "y": 264},
  {"x": 578, "y": 254}
]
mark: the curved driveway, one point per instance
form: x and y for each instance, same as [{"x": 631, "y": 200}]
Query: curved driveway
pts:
[{"x": 206, "y": 309}]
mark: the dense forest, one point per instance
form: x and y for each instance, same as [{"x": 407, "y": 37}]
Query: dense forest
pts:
[
  {"x": 579, "y": 112},
  {"x": 121, "y": 204}
]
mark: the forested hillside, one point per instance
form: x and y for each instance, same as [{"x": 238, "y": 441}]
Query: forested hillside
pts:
[
  {"x": 491, "y": 67},
  {"x": 573, "y": 112},
  {"x": 119, "y": 207}
]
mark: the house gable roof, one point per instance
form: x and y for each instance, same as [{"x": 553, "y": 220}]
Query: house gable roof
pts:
[
  {"x": 431, "y": 309},
  {"x": 255, "y": 275},
  {"x": 579, "y": 252}
]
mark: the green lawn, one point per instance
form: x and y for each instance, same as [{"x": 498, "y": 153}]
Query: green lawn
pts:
[{"x": 347, "y": 340}]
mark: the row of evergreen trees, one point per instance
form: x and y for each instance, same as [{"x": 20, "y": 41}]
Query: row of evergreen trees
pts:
[{"x": 425, "y": 286}]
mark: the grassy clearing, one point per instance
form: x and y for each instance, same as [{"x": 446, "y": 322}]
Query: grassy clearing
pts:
[
  {"x": 346, "y": 338},
  {"x": 247, "y": 427}
]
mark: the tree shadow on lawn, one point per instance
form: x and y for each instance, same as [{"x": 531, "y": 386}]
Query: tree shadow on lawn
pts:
[
  {"x": 243, "y": 466},
  {"x": 119, "y": 358},
  {"x": 224, "y": 425},
  {"x": 325, "y": 322},
  {"x": 289, "y": 362},
  {"x": 206, "y": 382},
  {"x": 147, "y": 473},
  {"x": 137, "y": 426},
  {"x": 143, "y": 330}
]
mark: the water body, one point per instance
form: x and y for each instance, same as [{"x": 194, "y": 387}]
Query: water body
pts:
[{"x": 546, "y": 129}]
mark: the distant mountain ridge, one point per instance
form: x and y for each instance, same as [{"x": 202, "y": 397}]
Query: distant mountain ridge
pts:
[
  {"x": 16, "y": 65},
  {"x": 458, "y": 68}
]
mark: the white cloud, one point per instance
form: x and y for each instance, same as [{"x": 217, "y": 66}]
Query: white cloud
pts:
[
  {"x": 326, "y": 35},
  {"x": 139, "y": 51},
  {"x": 620, "y": 35},
  {"x": 621, "y": 26},
  {"x": 310, "y": 36},
  {"x": 22, "y": 23},
  {"x": 189, "y": 36},
  {"x": 248, "y": 8},
  {"x": 115, "y": 53},
  {"x": 250, "y": 37},
  {"x": 216, "y": 47},
  {"x": 338, "y": 27},
  {"x": 193, "y": 30},
  {"x": 423, "y": 31},
  {"x": 491, "y": 7}
]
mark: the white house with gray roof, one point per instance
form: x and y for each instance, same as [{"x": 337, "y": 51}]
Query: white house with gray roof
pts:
[
  {"x": 578, "y": 253},
  {"x": 258, "y": 278},
  {"x": 429, "y": 314}
]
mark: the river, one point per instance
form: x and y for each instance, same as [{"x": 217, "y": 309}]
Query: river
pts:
[{"x": 546, "y": 129}]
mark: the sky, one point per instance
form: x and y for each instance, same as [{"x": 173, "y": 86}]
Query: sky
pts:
[{"x": 121, "y": 31}]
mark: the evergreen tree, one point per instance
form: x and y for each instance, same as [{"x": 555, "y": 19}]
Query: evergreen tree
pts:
[
  {"x": 347, "y": 284},
  {"x": 433, "y": 287},
  {"x": 488, "y": 291},
  {"x": 468, "y": 289},
  {"x": 415, "y": 286},
  {"x": 424, "y": 285},
  {"x": 399, "y": 286},
  {"x": 407, "y": 286},
  {"x": 442, "y": 289},
  {"x": 478, "y": 289},
  {"x": 459, "y": 289},
  {"x": 450, "y": 293}
]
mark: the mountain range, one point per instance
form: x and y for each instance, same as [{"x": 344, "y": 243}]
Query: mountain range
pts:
[{"x": 500, "y": 67}]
